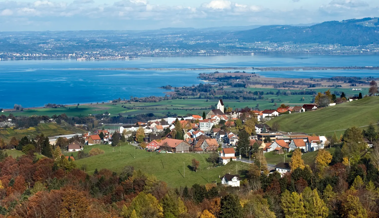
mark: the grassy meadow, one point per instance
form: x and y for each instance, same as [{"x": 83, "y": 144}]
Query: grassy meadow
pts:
[
  {"x": 166, "y": 167},
  {"x": 48, "y": 129},
  {"x": 328, "y": 120}
]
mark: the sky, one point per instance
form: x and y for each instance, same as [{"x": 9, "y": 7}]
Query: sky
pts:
[{"x": 51, "y": 15}]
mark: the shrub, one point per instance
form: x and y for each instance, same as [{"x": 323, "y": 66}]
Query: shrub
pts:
[{"x": 95, "y": 151}]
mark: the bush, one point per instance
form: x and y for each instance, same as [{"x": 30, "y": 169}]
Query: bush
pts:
[
  {"x": 95, "y": 151},
  {"x": 28, "y": 148}
]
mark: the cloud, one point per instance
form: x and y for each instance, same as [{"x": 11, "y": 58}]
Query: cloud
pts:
[
  {"x": 348, "y": 3},
  {"x": 218, "y": 5},
  {"x": 6, "y": 12}
]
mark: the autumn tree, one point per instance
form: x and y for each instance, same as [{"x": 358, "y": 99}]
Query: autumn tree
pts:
[
  {"x": 260, "y": 160},
  {"x": 323, "y": 160},
  {"x": 140, "y": 135},
  {"x": 352, "y": 207},
  {"x": 206, "y": 214},
  {"x": 353, "y": 145},
  {"x": 249, "y": 125},
  {"x": 74, "y": 204},
  {"x": 293, "y": 205},
  {"x": 296, "y": 160},
  {"x": 179, "y": 134},
  {"x": 314, "y": 206},
  {"x": 13, "y": 142},
  {"x": 230, "y": 207},
  {"x": 195, "y": 164},
  {"x": 57, "y": 153},
  {"x": 257, "y": 206},
  {"x": 145, "y": 205}
]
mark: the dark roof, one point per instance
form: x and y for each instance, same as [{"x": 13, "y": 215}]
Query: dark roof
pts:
[
  {"x": 268, "y": 111},
  {"x": 297, "y": 108},
  {"x": 217, "y": 112},
  {"x": 153, "y": 136},
  {"x": 261, "y": 126},
  {"x": 309, "y": 106},
  {"x": 222, "y": 103},
  {"x": 229, "y": 177},
  {"x": 74, "y": 145},
  {"x": 283, "y": 166}
]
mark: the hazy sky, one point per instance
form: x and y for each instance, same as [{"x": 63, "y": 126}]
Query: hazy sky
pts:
[{"x": 153, "y": 14}]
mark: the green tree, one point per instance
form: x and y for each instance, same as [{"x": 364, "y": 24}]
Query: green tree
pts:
[
  {"x": 145, "y": 205},
  {"x": 352, "y": 208},
  {"x": 292, "y": 205},
  {"x": 115, "y": 139},
  {"x": 238, "y": 123},
  {"x": 296, "y": 160},
  {"x": 204, "y": 116},
  {"x": 371, "y": 133},
  {"x": 358, "y": 183},
  {"x": 170, "y": 204},
  {"x": 57, "y": 153},
  {"x": 28, "y": 148},
  {"x": 199, "y": 193},
  {"x": 101, "y": 135},
  {"x": 353, "y": 145},
  {"x": 257, "y": 206},
  {"x": 314, "y": 206},
  {"x": 140, "y": 135},
  {"x": 230, "y": 207},
  {"x": 328, "y": 194},
  {"x": 46, "y": 148},
  {"x": 243, "y": 144},
  {"x": 179, "y": 134}
]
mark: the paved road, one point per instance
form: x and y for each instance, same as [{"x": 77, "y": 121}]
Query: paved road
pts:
[{"x": 243, "y": 160}]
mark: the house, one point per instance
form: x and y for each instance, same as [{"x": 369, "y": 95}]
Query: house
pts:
[
  {"x": 231, "y": 180},
  {"x": 232, "y": 138},
  {"x": 75, "y": 146},
  {"x": 298, "y": 109},
  {"x": 175, "y": 145},
  {"x": 283, "y": 110},
  {"x": 94, "y": 139},
  {"x": 310, "y": 107},
  {"x": 279, "y": 146},
  {"x": 269, "y": 113},
  {"x": 158, "y": 128},
  {"x": 272, "y": 136},
  {"x": 283, "y": 168},
  {"x": 297, "y": 144},
  {"x": 214, "y": 132},
  {"x": 206, "y": 125},
  {"x": 152, "y": 146},
  {"x": 261, "y": 144},
  {"x": 315, "y": 143},
  {"x": 197, "y": 117},
  {"x": 154, "y": 136},
  {"x": 220, "y": 106},
  {"x": 220, "y": 136},
  {"x": 226, "y": 155},
  {"x": 206, "y": 145},
  {"x": 214, "y": 112},
  {"x": 262, "y": 128}
]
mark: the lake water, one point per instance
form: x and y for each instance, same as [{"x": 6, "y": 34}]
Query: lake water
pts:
[{"x": 36, "y": 83}]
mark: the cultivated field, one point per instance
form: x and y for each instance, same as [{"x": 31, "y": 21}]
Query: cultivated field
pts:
[
  {"x": 328, "y": 120},
  {"x": 166, "y": 167}
]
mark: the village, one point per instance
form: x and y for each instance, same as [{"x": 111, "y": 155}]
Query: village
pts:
[{"x": 215, "y": 132}]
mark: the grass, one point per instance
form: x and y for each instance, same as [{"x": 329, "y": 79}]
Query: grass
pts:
[
  {"x": 16, "y": 153},
  {"x": 166, "y": 167},
  {"x": 309, "y": 157},
  {"x": 328, "y": 120},
  {"x": 48, "y": 129}
]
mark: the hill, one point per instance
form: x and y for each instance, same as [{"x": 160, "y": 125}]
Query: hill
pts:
[
  {"x": 348, "y": 32},
  {"x": 166, "y": 167},
  {"x": 48, "y": 129},
  {"x": 332, "y": 119}
]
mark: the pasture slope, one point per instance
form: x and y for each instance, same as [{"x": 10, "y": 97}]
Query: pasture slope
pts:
[
  {"x": 328, "y": 120},
  {"x": 166, "y": 167}
]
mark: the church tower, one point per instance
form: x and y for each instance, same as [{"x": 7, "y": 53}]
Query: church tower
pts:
[{"x": 220, "y": 106}]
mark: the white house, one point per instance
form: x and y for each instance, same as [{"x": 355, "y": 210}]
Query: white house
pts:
[
  {"x": 206, "y": 125},
  {"x": 75, "y": 146},
  {"x": 269, "y": 113},
  {"x": 283, "y": 168},
  {"x": 315, "y": 143},
  {"x": 231, "y": 180},
  {"x": 227, "y": 154}
]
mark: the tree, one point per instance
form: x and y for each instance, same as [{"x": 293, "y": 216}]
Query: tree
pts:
[
  {"x": 360, "y": 95},
  {"x": 2, "y": 144},
  {"x": 352, "y": 207},
  {"x": 230, "y": 207},
  {"x": 179, "y": 134},
  {"x": 145, "y": 205},
  {"x": 204, "y": 116},
  {"x": 199, "y": 193},
  {"x": 206, "y": 214},
  {"x": 371, "y": 133},
  {"x": 323, "y": 160},
  {"x": 243, "y": 144},
  {"x": 373, "y": 88},
  {"x": 238, "y": 123},
  {"x": 101, "y": 135},
  {"x": 74, "y": 204},
  {"x": 213, "y": 158},
  {"x": 353, "y": 144},
  {"x": 314, "y": 206},
  {"x": 116, "y": 139},
  {"x": 195, "y": 164},
  {"x": 324, "y": 101},
  {"x": 260, "y": 161},
  {"x": 257, "y": 206},
  {"x": 343, "y": 95},
  {"x": 57, "y": 153},
  {"x": 358, "y": 183},
  {"x": 95, "y": 151},
  {"x": 249, "y": 125},
  {"x": 292, "y": 205},
  {"x": 46, "y": 148},
  {"x": 335, "y": 140},
  {"x": 27, "y": 149},
  {"x": 140, "y": 135},
  {"x": 13, "y": 142},
  {"x": 318, "y": 97},
  {"x": 296, "y": 160}
]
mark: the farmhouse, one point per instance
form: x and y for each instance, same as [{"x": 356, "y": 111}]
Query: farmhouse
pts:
[
  {"x": 176, "y": 145},
  {"x": 310, "y": 107},
  {"x": 297, "y": 144},
  {"x": 206, "y": 145},
  {"x": 94, "y": 139},
  {"x": 206, "y": 125},
  {"x": 226, "y": 155},
  {"x": 152, "y": 146},
  {"x": 279, "y": 146},
  {"x": 75, "y": 146},
  {"x": 283, "y": 168},
  {"x": 298, "y": 109},
  {"x": 269, "y": 113},
  {"x": 231, "y": 180}
]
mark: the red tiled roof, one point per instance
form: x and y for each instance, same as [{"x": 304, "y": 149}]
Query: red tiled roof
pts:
[
  {"x": 299, "y": 142},
  {"x": 213, "y": 144},
  {"x": 197, "y": 117},
  {"x": 229, "y": 151},
  {"x": 205, "y": 121},
  {"x": 282, "y": 143},
  {"x": 95, "y": 137},
  {"x": 282, "y": 110},
  {"x": 171, "y": 142},
  {"x": 313, "y": 138},
  {"x": 268, "y": 111}
]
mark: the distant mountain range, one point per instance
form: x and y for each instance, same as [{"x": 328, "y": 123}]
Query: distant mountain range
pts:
[{"x": 348, "y": 32}]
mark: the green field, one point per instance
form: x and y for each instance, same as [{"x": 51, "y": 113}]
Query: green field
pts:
[
  {"x": 166, "y": 167},
  {"x": 309, "y": 158},
  {"x": 328, "y": 120},
  {"x": 48, "y": 129}
]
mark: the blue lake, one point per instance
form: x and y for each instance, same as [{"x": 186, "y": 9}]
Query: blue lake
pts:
[{"x": 36, "y": 83}]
